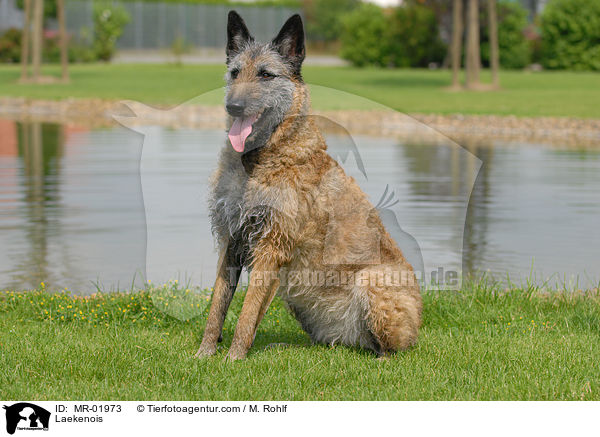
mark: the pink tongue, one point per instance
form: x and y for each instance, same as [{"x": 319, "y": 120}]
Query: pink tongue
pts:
[{"x": 239, "y": 131}]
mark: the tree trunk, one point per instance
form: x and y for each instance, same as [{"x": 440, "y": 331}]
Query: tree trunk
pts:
[
  {"x": 494, "y": 52},
  {"x": 25, "y": 37},
  {"x": 457, "y": 33},
  {"x": 37, "y": 37},
  {"x": 473, "y": 56},
  {"x": 64, "y": 60}
]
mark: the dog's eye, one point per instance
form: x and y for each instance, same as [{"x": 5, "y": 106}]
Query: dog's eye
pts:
[
  {"x": 234, "y": 73},
  {"x": 266, "y": 75}
]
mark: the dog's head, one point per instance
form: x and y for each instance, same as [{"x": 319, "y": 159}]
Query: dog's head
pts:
[{"x": 261, "y": 80}]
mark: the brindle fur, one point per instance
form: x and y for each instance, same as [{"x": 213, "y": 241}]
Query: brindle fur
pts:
[{"x": 285, "y": 205}]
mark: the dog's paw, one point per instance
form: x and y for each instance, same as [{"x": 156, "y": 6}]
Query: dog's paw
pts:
[
  {"x": 205, "y": 351},
  {"x": 384, "y": 356},
  {"x": 234, "y": 355}
]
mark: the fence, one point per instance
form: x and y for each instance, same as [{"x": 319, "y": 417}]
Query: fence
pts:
[
  {"x": 10, "y": 15},
  {"x": 155, "y": 25}
]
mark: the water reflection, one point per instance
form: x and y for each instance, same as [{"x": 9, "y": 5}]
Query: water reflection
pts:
[
  {"x": 61, "y": 221},
  {"x": 39, "y": 147},
  {"x": 72, "y": 212},
  {"x": 476, "y": 224},
  {"x": 533, "y": 215}
]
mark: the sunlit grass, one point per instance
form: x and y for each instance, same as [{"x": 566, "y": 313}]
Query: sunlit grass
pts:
[
  {"x": 548, "y": 93},
  {"x": 484, "y": 342}
]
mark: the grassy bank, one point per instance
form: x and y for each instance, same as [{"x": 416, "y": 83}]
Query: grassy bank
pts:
[
  {"x": 567, "y": 94},
  {"x": 475, "y": 344}
]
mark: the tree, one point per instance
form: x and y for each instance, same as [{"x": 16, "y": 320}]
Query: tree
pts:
[
  {"x": 457, "y": 34},
  {"x": 64, "y": 56},
  {"x": 25, "y": 42},
  {"x": 33, "y": 37},
  {"x": 473, "y": 62},
  {"x": 494, "y": 55},
  {"x": 37, "y": 38},
  {"x": 473, "y": 44}
]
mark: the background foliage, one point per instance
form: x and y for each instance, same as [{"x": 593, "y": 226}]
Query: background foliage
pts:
[
  {"x": 109, "y": 20},
  {"x": 406, "y": 36},
  {"x": 322, "y": 18},
  {"x": 414, "y": 37},
  {"x": 10, "y": 46},
  {"x": 565, "y": 36},
  {"x": 571, "y": 35},
  {"x": 363, "y": 36},
  {"x": 49, "y": 7},
  {"x": 515, "y": 49}
]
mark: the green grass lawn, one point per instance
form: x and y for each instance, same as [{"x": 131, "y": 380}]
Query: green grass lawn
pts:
[
  {"x": 570, "y": 94},
  {"x": 480, "y": 343}
]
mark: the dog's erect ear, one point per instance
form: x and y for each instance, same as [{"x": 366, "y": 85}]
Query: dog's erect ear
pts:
[
  {"x": 290, "y": 42},
  {"x": 237, "y": 34}
]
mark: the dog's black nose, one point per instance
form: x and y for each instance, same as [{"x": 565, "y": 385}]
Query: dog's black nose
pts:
[{"x": 235, "y": 109}]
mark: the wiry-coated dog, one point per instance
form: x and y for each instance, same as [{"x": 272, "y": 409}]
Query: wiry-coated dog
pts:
[{"x": 285, "y": 210}]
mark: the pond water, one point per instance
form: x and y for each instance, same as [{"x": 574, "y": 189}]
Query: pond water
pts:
[{"x": 82, "y": 209}]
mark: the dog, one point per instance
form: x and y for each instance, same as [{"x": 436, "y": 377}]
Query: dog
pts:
[{"x": 282, "y": 208}]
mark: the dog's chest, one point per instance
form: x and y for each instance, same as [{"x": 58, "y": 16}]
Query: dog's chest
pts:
[{"x": 235, "y": 216}]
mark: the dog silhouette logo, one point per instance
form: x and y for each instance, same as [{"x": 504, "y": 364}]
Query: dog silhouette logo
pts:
[{"x": 26, "y": 416}]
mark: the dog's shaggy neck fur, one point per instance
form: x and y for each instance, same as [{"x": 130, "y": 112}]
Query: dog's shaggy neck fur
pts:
[{"x": 296, "y": 124}]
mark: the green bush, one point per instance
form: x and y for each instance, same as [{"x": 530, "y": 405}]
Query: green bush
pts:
[
  {"x": 10, "y": 46},
  {"x": 76, "y": 51},
  {"x": 408, "y": 37},
  {"x": 363, "y": 37},
  {"x": 323, "y": 18},
  {"x": 49, "y": 7},
  {"x": 109, "y": 20},
  {"x": 51, "y": 47},
  {"x": 514, "y": 48},
  {"x": 414, "y": 37},
  {"x": 571, "y": 35}
]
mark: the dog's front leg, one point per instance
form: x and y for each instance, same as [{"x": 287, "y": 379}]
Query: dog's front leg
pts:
[
  {"x": 261, "y": 291},
  {"x": 227, "y": 279}
]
